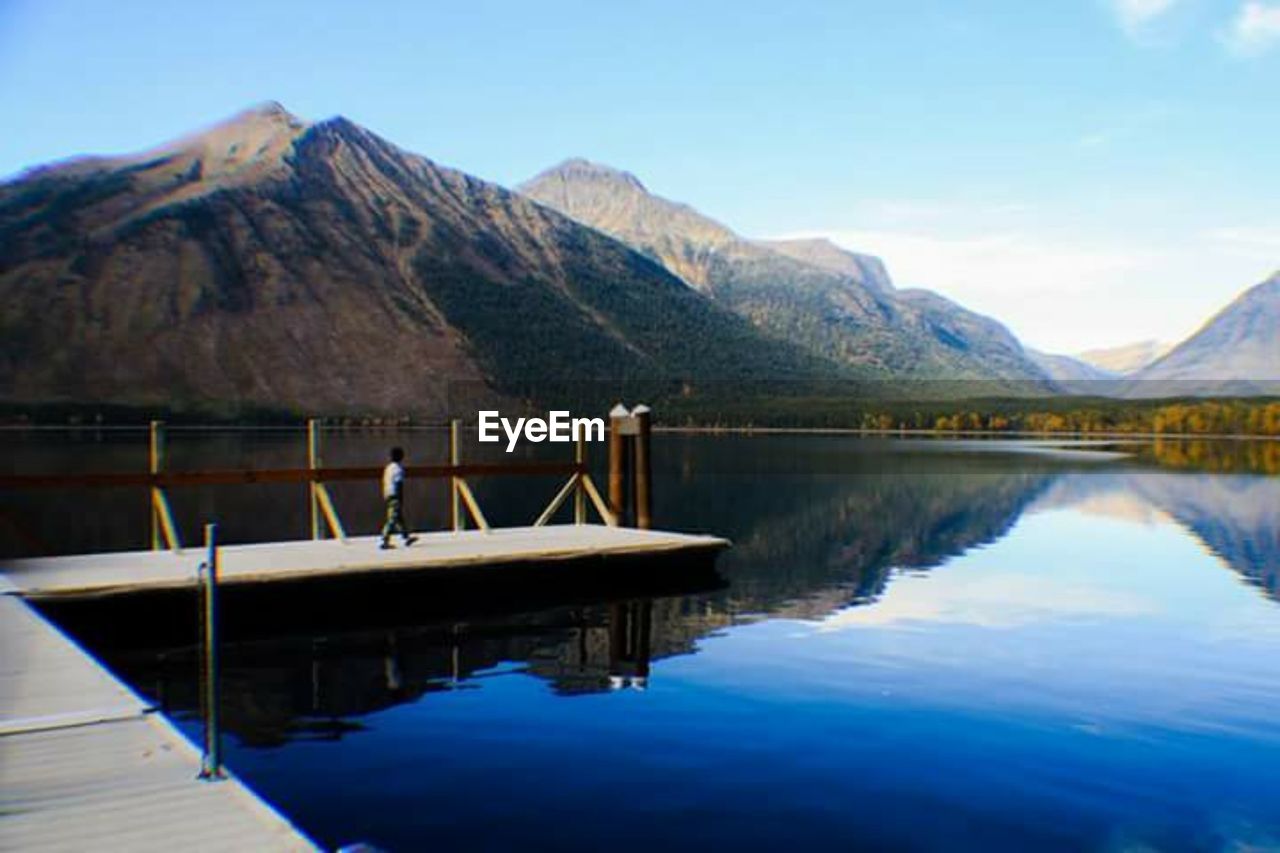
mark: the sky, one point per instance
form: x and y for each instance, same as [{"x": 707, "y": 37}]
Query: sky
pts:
[{"x": 1090, "y": 172}]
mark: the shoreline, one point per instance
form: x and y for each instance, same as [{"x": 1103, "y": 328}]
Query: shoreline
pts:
[{"x": 1065, "y": 435}]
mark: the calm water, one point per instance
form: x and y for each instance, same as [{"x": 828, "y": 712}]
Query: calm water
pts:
[{"x": 919, "y": 646}]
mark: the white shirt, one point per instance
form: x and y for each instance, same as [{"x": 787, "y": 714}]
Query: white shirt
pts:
[{"x": 392, "y": 479}]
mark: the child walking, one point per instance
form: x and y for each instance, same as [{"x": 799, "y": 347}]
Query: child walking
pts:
[{"x": 393, "y": 494}]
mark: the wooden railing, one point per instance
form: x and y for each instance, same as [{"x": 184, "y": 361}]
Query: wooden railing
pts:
[{"x": 463, "y": 502}]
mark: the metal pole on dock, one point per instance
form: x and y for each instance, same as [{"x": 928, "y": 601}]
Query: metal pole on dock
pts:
[
  {"x": 618, "y": 417},
  {"x": 644, "y": 467},
  {"x": 211, "y": 764},
  {"x": 313, "y": 462}
]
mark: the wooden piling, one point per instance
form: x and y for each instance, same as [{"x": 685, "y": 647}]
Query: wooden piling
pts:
[
  {"x": 618, "y": 417},
  {"x": 643, "y": 468}
]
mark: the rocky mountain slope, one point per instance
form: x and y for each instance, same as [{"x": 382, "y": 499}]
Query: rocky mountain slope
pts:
[
  {"x": 1240, "y": 345},
  {"x": 838, "y": 304},
  {"x": 272, "y": 263}
]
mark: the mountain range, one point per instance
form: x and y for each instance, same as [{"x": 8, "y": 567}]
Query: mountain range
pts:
[
  {"x": 275, "y": 264},
  {"x": 844, "y": 307},
  {"x": 839, "y": 304},
  {"x": 269, "y": 263},
  {"x": 1235, "y": 353}
]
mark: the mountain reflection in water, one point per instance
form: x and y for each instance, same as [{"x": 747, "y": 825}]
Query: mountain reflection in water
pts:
[
  {"x": 895, "y": 617},
  {"x": 806, "y": 544}
]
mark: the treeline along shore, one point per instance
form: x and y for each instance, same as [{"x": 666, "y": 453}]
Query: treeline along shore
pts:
[
  {"x": 1056, "y": 415},
  {"x": 1012, "y": 416}
]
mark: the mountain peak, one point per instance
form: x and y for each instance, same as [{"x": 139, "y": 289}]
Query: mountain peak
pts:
[
  {"x": 261, "y": 120},
  {"x": 580, "y": 169},
  {"x": 1241, "y": 343},
  {"x": 615, "y": 202},
  {"x": 269, "y": 108},
  {"x": 262, "y": 131}
]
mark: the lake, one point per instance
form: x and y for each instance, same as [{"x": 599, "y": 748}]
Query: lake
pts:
[{"x": 914, "y": 644}]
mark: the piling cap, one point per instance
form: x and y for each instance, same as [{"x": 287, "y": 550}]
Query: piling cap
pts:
[
  {"x": 618, "y": 411},
  {"x": 641, "y": 409}
]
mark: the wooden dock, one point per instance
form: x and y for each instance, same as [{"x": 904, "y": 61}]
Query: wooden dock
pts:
[
  {"x": 86, "y": 764},
  {"x": 137, "y": 571}
]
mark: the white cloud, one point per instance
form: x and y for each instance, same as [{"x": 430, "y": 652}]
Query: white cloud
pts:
[
  {"x": 1255, "y": 29},
  {"x": 996, "y": 600},
  {"x": 1136, "y": 15}
]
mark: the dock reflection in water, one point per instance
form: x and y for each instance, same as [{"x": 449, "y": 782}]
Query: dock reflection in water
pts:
[
  {"x": 1034, "y": 652},
  {"x": 322, "y": 687}
]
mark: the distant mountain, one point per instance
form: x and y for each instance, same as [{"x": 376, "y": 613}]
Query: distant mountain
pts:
[
  {"x": 839, "y": 305},
  {"x": 1123, "y": 359},
  {"x": 1240, "y": 345},
  {"x": 1065, "y": 368},
  {"x": 272, "y": 263}
]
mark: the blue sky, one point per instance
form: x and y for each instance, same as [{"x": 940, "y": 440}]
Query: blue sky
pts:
[{"x": 1090, "y": 172}]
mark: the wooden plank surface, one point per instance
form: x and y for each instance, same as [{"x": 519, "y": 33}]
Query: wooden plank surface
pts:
[
  {"x": 46, "y": 680},
  {"x": 85, "y": 764},
  {"x": 100, "y": 574}
]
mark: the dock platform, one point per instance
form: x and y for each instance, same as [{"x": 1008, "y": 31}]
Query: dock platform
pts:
[
  {"x": 85, "y": 763},
  {"x": 129, "y": 571}
]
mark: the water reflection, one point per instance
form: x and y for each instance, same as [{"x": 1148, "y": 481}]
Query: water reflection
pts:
[
  {"x": 1236, "y": 517},
  {"x": 1034, "y": 651},
  {"x": 320, "y": 686},
  {"x": 818, "y": 539}
]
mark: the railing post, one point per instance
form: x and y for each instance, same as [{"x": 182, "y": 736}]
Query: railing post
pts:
[
  {"x": 644, "y": 468},
  {"x": 618, "y": 416},
  {"x": 313, "y": 462},
  {"x": 456, "y": 519},
  {"x": 211, "y": 764},
  {"x": 579, "y": 495},
  {"x": 155, "y": 465}
]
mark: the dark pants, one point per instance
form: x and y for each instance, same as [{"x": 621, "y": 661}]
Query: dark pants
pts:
[{"x": 395, "y": 519}]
